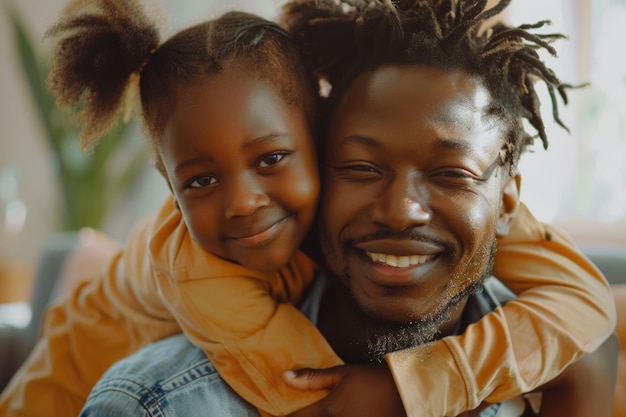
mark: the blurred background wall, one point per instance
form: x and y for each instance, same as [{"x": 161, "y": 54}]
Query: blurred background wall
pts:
[
  {"x": 24, "y": 152},
  {"x": 579, "y": 183}
]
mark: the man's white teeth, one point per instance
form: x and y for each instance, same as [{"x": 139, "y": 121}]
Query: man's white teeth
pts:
[{"x": 399, "y": 261}]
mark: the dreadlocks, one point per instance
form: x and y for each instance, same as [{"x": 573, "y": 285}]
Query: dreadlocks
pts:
[{"x": 344, "y": 38}]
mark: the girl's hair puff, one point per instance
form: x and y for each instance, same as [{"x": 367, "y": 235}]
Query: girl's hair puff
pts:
[
  {"x": 99, "y": 45},
  {"x": 105, "y": 44}
]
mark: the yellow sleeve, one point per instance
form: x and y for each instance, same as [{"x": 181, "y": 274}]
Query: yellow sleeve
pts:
[
  {"x": 103, "y": 320},
  {"x": 564, "y": 309},
  {"x": 249, "y": 336}
]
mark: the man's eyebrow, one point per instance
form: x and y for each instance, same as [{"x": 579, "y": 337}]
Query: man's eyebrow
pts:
[
  {"x": 452, "y": 144},
  {"x": 358, "y": 139},
  {"x": 442, "y": 143}
]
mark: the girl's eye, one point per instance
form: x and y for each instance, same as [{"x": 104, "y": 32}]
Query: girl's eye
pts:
[
  {"x": 202, "y": 181},
  {"x": 272, "y": 159}
]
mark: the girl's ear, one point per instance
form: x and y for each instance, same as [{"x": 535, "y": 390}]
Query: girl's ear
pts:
[
  {"x": 158, "y": 164},
  {"x": 509, "y": 205}
]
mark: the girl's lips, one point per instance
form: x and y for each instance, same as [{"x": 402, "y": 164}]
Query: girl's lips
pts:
[{"x": 261, "y": 237}]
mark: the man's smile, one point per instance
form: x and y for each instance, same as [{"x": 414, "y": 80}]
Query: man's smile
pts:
[{"x": 399, "y": 261}]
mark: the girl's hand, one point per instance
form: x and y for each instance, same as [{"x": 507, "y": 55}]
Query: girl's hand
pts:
[{"x": 355, "y": 390}]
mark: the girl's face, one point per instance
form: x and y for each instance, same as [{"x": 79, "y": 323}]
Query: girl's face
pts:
[{"x": 242, "y": 166}]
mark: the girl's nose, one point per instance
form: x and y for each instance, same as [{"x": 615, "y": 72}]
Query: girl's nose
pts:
[{"x": 244, "y": 197}]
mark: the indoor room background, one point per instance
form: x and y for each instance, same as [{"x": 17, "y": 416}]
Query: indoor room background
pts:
[{"x": 579, "y": 183}]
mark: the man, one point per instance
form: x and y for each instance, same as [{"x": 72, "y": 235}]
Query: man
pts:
[{"x": 422, "y": 143}]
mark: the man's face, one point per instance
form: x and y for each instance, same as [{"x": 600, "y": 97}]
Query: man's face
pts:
[{"x": 413, "y": 190}]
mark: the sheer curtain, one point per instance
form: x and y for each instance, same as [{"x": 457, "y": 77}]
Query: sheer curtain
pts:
[{"x": 580, "y": 182}]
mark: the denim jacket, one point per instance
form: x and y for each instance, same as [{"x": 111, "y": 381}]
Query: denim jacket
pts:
[{"x": 173, "y": 378}]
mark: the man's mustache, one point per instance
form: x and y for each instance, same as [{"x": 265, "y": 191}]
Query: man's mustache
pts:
[{"x": 414, "y": 234}]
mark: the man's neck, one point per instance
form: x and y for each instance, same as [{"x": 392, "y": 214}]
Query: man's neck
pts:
[
  {"x": 346, "y": 327},
  {"x": 340, "y": 321}
]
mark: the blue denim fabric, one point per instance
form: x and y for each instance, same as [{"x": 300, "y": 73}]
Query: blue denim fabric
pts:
[
  {"x": 490, "y": 412},
  {"x": 169, "y": 378},
  {"x": 174, "y": 378}
]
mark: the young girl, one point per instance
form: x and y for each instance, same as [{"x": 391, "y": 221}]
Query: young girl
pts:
[{"x": 229, "y": 108}]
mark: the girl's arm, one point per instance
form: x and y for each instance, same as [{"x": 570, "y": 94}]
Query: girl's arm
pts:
[
  {"x": 243, "y": 320},
  {"x": 586, "y": 387},
  {"x": 564, "y": 309},
  {"x": 250, "y": 334},
  {"x": 100, "y": 321}
]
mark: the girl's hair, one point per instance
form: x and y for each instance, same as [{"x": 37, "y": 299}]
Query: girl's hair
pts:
[
  {"x": 105, "y": 46},
  {"x": 345, "y": 38}
]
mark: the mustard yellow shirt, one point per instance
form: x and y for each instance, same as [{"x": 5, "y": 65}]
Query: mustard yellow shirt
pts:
[
  {"x": 244, "y": 320},
  {"x": 161, "y": 282},
  {"x": 514, "y": 349}
]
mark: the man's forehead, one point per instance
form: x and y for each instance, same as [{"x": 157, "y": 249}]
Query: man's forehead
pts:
[
  {"x": 450, "y": 95},
  {"x": 450, "y": 105}
]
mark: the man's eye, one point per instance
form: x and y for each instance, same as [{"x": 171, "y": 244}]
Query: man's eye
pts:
[
  {"x": 360, "y": 168},
  {"x": 456, "y": 177},
  {"x": 455, "y": 174},
  {"x": 271, "y": 159},
  {"x": 202, "y": 181},
  {"x": 357, "y": 172}
]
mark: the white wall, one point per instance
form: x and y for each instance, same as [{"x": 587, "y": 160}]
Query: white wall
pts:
[{"x": 23, "y": 146}]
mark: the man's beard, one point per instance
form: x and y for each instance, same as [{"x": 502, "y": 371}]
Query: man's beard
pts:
[{"x": 386, "y": 336}]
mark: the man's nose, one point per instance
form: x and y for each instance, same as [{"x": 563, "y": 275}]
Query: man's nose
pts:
[
  {"x": 403, "y": 203},
  {"x": 244, "y": 196}
]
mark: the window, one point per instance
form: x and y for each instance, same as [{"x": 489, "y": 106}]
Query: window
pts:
[{"x": 580, "y": 182}]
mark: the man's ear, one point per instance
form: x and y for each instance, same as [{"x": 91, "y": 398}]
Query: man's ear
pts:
[{"x": 509, "y": 205}]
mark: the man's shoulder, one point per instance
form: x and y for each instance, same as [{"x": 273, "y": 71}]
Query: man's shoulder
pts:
[
  {"x": 312, "y": 298},
  {"x": 492, "y": 294},
  {"x": 160, "y": 379},
  {"x": 495, "y": 290}
]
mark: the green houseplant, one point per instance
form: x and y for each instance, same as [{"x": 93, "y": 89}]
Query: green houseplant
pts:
[{"x": 90, "y": 184}]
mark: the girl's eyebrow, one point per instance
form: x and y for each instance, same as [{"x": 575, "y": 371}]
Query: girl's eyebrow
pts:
[
  {"x": 274, "y": 137},
  {"x": 193, "y": 161},
  {"x": 204, "y": 159}
]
